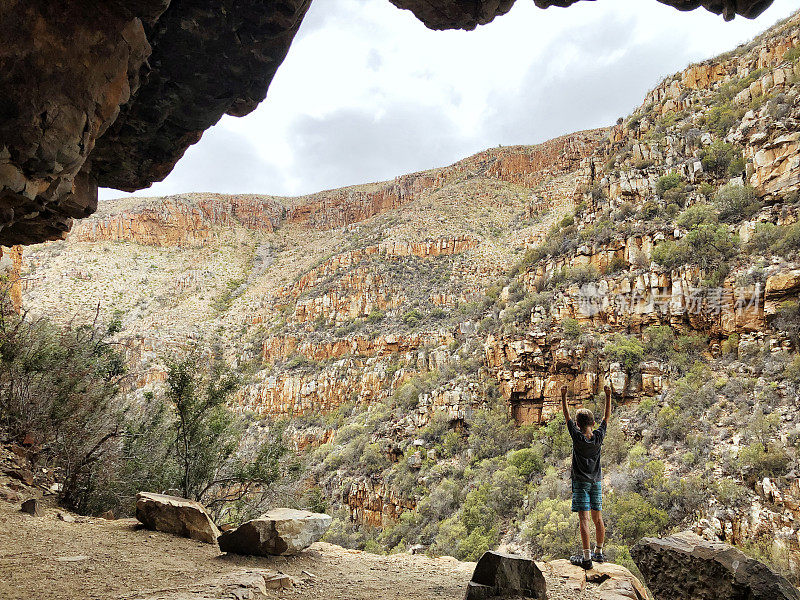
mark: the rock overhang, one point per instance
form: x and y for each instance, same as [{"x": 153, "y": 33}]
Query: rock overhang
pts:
[{"x": 112, "y": 94}]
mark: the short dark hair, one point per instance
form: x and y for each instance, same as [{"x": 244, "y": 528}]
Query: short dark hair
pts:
[{"x": 584, "y": 418}]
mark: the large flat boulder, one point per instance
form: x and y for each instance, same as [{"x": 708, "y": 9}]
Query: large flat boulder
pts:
[
  {"x": 687, "y": 566},
  {"x": 179, "y": 516},
  {"x": 278, "y": 532},
  {"x": 506, "y": 575}
]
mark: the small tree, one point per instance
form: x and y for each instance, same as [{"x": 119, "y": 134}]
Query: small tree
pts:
[
  {"x": 206, "y": 435},
  {"x": 214, "y": 465},
  {"x": 58, "y": 391},
  {"x": 736, "y": 203}
]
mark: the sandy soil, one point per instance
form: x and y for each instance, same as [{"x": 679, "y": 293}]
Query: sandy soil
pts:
[
  {"x": 125, "y": 561},
  {"x": 46, "y": 558}
]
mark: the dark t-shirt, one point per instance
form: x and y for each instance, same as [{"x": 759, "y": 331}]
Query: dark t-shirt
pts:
[{"x": 586, "y": 453}]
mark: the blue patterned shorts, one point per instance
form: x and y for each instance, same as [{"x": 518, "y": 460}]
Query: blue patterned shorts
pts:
[{"x": 587, "y": 495}]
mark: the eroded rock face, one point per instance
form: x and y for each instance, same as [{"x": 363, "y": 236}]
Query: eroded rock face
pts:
[
  {"x": 281, "y": 531},
  {"x": 179, "y": 516},
  {"x": 685, "y": 565}
]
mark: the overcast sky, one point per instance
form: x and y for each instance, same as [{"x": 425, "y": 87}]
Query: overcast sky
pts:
[{"x": 367, "y": 92}]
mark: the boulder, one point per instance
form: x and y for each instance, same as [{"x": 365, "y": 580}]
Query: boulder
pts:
[
  {"x": 685, "y": 565},
  {"x": 499, "y": 575},
  {"x": 280, "y": 531},
  {"x": 32, "y": 507},
  {"x": 616, "y": 582},
  {"x": 175, "y": 515}
]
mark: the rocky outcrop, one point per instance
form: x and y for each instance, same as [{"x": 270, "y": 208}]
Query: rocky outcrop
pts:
[
  {"x": 685, "y": 565},
  {"x": 280, "y": 348},
  {"x": 189, "y": 220},
  {"x": 506, "y": 575},
  {"x": 372, "y": 502},
  {"x": 178, "y": 516},
  {"x": 64, "y": 75},
  {"x": 612, "y": 581},
  {"x": 121, "y": 91},
  {"x": 773, "y": 516},
  {"x": 281, "y": 531}
]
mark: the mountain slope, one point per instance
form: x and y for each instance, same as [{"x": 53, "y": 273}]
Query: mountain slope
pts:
[{"x": 397, "y": 325}]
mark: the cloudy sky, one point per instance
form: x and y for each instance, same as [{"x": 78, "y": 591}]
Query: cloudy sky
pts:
[{"x": 367, "y": 92}]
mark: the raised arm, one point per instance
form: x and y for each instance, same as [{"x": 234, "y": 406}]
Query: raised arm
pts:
[
  {"x": 607, "y": 416},
  {"x": 564, "y": 406}
]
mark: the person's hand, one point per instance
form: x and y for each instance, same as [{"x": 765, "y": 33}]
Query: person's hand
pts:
[
  {"x": 607, "y": 390},
  {"x": 563, "y": 391}
]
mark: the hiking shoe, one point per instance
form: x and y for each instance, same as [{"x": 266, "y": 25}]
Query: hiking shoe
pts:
[
  {"x": 579, "y": 561},
  {"x": 598, "y": 557}
]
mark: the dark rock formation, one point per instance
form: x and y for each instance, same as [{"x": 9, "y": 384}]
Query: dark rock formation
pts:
[
  {"x": 32, "y": 507},
  {"x": 727, "y": 8},
  {"x": 113, "y": 93},
  {"x": 501, "y": 575},
  {"x": 687, "y": 566}
]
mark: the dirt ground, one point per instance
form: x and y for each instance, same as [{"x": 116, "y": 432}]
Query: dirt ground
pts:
[{"x": 47, "y": 558}]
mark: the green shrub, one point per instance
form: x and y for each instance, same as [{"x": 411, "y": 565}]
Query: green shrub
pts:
[
  {"x": 413, "y": 317},
  {"x": 696, "y": 215},
  {"x": 659, "y": 341},
  {"x": 59, "y": 386},
  {"x": 763, "y": 237},
  {"x": 772, "y": 462},
  {"x": 718, "y": 158},
  {"x": 616, "y": 265},
  {"x": 708, "y": 245},
  {"x": 788, "y": 240},
  {"x": 792, "y": 54},
  {"x": 670, "y": 254},
  {"x": 668, "y": 182},
  {"x": 736, "y": 203},
  {"x": 528, "y": 461},
  {"x": 581, "y": 274},
  {"x": 787, "y": 319},
  {"x": 649, "y": 210},
  {"x": 631, "y": 517},
  {"x": 730, "y": 493},
  {"x": 671, "y": 424},
  {"x": 736, "y": 167},
  {"x": 720, "y": 119},
  {"x": 571, "y": 328},
  {"x": 376, "y": 316},
  {"x": 625, "y": 350},
  {"x": 550, "y": 528}
]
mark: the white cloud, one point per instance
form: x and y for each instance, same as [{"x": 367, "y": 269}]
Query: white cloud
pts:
[{"x": 367, "y": 92}]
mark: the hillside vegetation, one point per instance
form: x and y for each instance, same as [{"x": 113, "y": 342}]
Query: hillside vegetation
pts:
[{"x": 406, "y": 341}]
